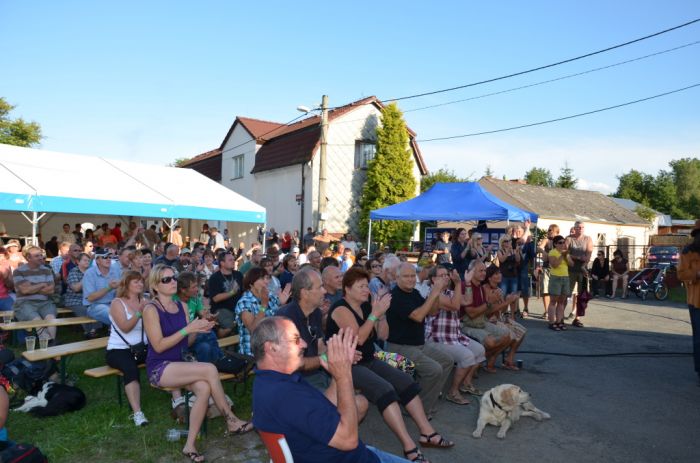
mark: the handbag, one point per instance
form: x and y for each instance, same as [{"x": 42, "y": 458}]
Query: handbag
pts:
[
  {"x": 397, "y": 361},
  {"x": 138, "y": 350},
  {"x": 235, "y": 363}
]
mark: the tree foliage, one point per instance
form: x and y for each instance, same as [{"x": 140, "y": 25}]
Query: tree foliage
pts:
[
  {"x": 488, "y": 172},
  {"x": 389, "y": 178},
  {"x": 566, "y": 178},
  {"x": 442, "y": 175},
  {"x": 539, "y": 176},
  {"x": 675, "y": 192},
  {"x": 178, "y": 162},
  {"x": 17, "y": 132}
]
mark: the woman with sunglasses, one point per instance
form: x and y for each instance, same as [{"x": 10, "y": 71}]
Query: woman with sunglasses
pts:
[
  {"x": 559, "y": 286},
  {"x": 477, "y": 250},
  {"x": 170, "y": 331},
  {"x": 374, "y": 267}
]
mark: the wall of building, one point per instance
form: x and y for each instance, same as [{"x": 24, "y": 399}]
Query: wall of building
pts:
[{"x": 244, "y": 145}]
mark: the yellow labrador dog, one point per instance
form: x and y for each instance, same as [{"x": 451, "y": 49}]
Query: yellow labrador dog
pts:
[{"x": 504, "y": 405}]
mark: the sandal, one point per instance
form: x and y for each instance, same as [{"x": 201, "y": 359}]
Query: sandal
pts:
[
  {"x": 419, "y": 456},
  {"x": 441, "y": 444},
  {"x": 470, "y": 389},
  {"x": 510, "y": 366},
  {"x": 562, "y": 326},
  {"x": 194, "y": 456},
  {"x": 246, "y": 427},
  {"x": 489, "y": 369},
  {"x": 457, "y": 399},
  {"x": 577, "y": 323},
  {"x": 554, "y": 327},
  {"x": 526, "y": 313}
]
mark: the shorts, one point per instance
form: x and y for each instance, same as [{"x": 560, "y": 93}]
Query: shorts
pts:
[
  {"x": 464, "y": 356},
  {"x": 226, "y": 318},
  {"x": 559, "y": 286},
  {"x": 156, "y": 373},
  {"x": 508, "y": 285},
  {"x": 576, "y": 282},
  {"x": 489, "y": 329},
  {"x": 26, "y": 310},
  {"x": 544, "y": 280},
  {"x": 517, "y": 331},
  {"x": 524, "y": 285}
]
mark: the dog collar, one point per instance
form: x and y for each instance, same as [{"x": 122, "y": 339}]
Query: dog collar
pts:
[{"x": 493, "y": 401}]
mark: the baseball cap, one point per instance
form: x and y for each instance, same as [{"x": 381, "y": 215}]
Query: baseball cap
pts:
[{"x": 103, "y": 252}]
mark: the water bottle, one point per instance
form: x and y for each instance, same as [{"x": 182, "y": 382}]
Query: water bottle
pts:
[{"x": 174, "y": 435}]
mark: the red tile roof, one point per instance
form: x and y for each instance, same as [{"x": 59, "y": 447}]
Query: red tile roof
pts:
[
  {"x": 208, "y": 164},
  {"x": 284, "y": 145}
]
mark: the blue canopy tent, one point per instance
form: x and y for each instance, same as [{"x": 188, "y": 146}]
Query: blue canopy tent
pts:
[{"x": 454, "y": 202}]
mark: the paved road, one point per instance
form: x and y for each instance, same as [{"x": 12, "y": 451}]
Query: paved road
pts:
[{"x": 612, "y": 409}]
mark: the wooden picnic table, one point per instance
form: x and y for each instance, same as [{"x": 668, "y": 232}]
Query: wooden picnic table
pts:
[
  {"x": 59, "y": 311},
  {"x": 63, "y": 351},
  {"x": 32, "y": 324}
]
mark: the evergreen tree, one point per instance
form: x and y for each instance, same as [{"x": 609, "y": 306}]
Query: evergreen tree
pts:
[
  {"x": 566, "y": 178},
  {"x": 17, "y": 132},
  {"x": 488, "y": 172},
  {"x": 539, "y": 176},
  {"x": 389, "y": 178}
]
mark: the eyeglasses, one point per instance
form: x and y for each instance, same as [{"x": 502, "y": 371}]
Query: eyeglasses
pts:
[
  {"x": 312, "y": 332},
  {"x": 376, "y": 266},
  {"x": 296, "y": 340},
  {"x": 168, "y": 279}
]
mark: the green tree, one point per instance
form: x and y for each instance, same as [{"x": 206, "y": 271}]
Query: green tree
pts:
[
  {"x": 539, "y": 176},
  {"x": 178, "y": 162},
  {"x": 442, "y": 175},
  {"x": 686, "y": 173},
  {"x": 645, "y": 212},
  {"x": 488, "y": 172},
  {"x": 17, "y": 132},
  {"x": 566, "y": 178},
  {"x": 389, "y": 178},
  {"x": 636, "y": 186}
]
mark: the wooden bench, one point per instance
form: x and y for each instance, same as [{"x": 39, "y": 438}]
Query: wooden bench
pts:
[
  {"x": 33, "y": 324},
  {"x": 64, "y": 351},
  {"x": 106, "y": 370},
  {"x": 59, "y": 311}
]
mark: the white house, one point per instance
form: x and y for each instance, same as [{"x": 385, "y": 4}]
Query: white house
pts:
[
  {"x": 607, "y": 222},
  {"x": 276, "y": 165}
]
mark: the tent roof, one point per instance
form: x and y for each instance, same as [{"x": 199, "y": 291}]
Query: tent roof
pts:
[
  {"x": 455, "y": 202},
  {"x": 46, "y": 181}
]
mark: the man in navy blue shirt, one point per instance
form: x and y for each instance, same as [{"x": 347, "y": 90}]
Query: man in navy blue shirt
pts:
[{"x": 284, "y": 403}]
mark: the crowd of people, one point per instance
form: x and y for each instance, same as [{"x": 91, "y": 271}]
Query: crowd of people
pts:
[{"x": 300, "y": 314}]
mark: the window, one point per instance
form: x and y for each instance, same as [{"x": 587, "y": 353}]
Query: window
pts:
[
  {"x": 364, "y": 152},
  {"x": 237, "y": 169}
]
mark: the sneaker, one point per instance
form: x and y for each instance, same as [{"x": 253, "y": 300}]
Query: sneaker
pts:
[
  {"x": 139, "y": 419},
  {"x": 177, "y": 402}
]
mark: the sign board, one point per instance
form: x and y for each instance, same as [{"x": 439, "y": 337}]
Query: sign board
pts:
[{"x": 490, "y": 236}]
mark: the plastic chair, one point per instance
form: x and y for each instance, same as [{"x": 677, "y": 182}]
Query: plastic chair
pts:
[{"x": 277, "y": 447}]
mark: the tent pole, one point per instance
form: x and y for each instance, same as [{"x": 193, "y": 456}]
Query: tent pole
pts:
[
  {"x": 369, "y": 238},
  {"x": 35, "y": 222},
  {"x": 263, "y": 237}
]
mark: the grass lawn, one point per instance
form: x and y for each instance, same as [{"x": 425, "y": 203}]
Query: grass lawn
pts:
[{"x": 103, "y": 431}]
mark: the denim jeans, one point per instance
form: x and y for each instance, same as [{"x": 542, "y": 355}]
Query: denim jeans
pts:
[
  {"x": 508, "y": 285},
  {"x": 99, "y": 312},
  {"x": 695, "y": 324},
  {"x": 385, "y": 457}
]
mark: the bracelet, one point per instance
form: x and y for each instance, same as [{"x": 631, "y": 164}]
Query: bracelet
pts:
[
  {"x": 262, "y": 307},
  {"x": 183, "y": 332},
  {"x": 372, "y": 318},
  {"x": 138, "y": 314},
  {"x": 324, "y": 357}
]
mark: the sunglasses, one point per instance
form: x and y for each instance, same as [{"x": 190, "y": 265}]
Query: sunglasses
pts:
[
  {"x": 166, "y": 280},
  {"x": 376, "y": 266},
  {"x": 559, "y": 242}
]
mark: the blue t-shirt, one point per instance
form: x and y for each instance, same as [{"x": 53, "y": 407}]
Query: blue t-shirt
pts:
[
  {"x": 94, "y": 281},
  {"x": 308, "y": 422}
]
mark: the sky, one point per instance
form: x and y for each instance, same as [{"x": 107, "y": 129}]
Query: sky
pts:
[{"x": 160, "y": 80}]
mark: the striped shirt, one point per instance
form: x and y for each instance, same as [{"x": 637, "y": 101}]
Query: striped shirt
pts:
[{"x": 24, "y": 273}]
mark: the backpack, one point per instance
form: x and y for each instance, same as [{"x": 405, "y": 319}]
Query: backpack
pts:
[
  {"x": 29, "y": 376},
  {"x": 21, "y": 453}
]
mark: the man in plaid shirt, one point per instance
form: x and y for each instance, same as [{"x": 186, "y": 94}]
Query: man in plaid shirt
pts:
[{"x": 442, "y": 330}]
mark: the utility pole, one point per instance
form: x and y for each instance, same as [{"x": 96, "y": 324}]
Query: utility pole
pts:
[{"x": 322, "y": 165}]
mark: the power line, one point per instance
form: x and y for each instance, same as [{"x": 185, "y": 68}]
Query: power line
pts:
[
  {"x": 552, "y": 80},
  {"x": 561, "y": 118},
  {"x": 539, "y": 68},
  {"x": 485, "y": 95}
]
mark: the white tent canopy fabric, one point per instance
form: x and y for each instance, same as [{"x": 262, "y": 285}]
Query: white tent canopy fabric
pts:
[{"x": 40, "y": 181}]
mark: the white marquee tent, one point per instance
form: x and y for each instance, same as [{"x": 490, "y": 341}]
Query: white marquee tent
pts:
[{"x": 35, "y": 182}]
